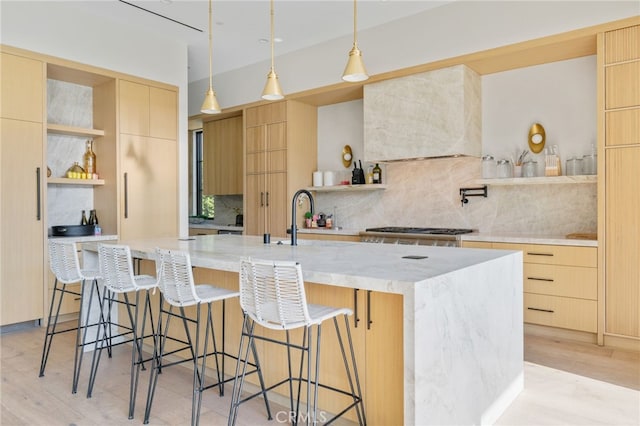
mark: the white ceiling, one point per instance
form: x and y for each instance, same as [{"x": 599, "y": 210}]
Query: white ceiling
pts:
[{"x": 239, "y": 25}]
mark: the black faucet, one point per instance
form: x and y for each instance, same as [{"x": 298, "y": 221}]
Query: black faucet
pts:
[{"x": 294, "y": 228}]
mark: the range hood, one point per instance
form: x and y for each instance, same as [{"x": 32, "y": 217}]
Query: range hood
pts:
[{"x": 427, "y": 115}]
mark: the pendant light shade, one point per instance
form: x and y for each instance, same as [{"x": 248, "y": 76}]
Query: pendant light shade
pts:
[
  {"x": 272, "y": 90},
  {"x": 355, "y": 71},
  {"x": 210, "y": 104}
]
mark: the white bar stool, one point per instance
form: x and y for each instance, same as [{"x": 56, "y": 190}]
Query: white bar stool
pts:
[
  {"x": 65, "y": 265},
  {"x": 116, "y": 270},
  {"x": 272, "y": 295},
  {"x": 175, "y": 279}
]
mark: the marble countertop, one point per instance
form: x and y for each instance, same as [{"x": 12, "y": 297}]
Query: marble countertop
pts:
[
  {"x": 379, "y": 267},
  {"x": 561, "y": 240},
  {"x": 87, "y": 238}
]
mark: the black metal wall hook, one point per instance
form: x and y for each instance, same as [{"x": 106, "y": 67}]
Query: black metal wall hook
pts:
[{"x": 472, "y": 192}]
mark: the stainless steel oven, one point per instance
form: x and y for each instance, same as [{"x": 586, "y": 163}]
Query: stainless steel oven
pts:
[{"x": 444, "y": 237}]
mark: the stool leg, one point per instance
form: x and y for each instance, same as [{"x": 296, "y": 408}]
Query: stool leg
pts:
[
  {"x": 238, "y": 383},
  {"x": 261, "y": 378},
  {"x": 52, "y": 322},
  {"x": 135, "y": 350},
  {"x": 156, "y": 361},
  {"x": 101, "y": 340},
  {"x": 304, "y": 348},
  {"x": 198, "y": 378},
  {"x": 77, "y": 363},
  {"x": 357, "y": 397},
  {"x": 317, "y": 375}
]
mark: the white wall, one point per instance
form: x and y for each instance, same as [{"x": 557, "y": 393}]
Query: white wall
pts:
[
  {"x": 561, "y": 96},
  {"x": 454, "y": 29},
  {"x": 88, "y": 39}
]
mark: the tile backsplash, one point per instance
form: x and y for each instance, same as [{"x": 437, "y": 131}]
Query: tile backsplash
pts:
[{"x": 426, "y": 193}]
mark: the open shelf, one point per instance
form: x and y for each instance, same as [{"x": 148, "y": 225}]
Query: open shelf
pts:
[
  {"x": 67, "y": 181},
  {"x": 61, "y": 129},
  {"x": 347, "y": 188},
  {"x": 542, "y": 180}
]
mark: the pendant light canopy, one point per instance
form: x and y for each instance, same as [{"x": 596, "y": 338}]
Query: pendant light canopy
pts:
[
  {"x": 272, "y": 90},
  {"x": 355, "y": 71},
  {"x": 210, "y": 104}
]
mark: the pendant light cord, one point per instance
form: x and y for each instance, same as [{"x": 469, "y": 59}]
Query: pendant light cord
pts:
[
  {"x": 272, "y": 50},
  {"x": 210, "y": 49},
  {"x": 355, "y": 20}
]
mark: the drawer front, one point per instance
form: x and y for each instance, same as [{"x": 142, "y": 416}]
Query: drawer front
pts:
[
  {"x": 554, "y": 255},
  {"x": 556, "y": 280},
  {"x": 564, "y": 312},
  {"x": 477, "y": 244}
]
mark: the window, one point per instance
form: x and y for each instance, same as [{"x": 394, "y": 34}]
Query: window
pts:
[{"x": 203, "y": 204}]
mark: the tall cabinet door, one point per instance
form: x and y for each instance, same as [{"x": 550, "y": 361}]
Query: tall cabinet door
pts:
[
  {"x": 22, "y": 172},
  {"x": 149, "y": 187},
  {"x": 622, "y": 182},
  {"x": 148, "y": 167},
  {"x": 22, "y": 239}
]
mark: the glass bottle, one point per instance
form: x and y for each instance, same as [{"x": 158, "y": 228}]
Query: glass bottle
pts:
[
  {"x": 377, "y": 174},
  {"x": 83, "y": 221},
  {"x": 92, "y": 217},
  {"x": 89, "y": 160}
]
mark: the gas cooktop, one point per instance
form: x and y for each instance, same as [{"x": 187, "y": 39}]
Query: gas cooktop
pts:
[{"x": 426, "y": 231}]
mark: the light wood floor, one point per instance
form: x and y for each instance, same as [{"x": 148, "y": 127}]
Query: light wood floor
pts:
[{"x": 550, "y": 397}]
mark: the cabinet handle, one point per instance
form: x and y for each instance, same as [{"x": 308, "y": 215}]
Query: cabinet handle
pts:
[
  {"x": 540, "y": 310},
  {"x": 126, "y": 195},
  {"x": 262, "y": 199},
  {"x": 369, "y": 322},
  {"x": 356, "y": 319},
  {"x": 267, "y": 198},
  {"x": 539, "y": 254},
  {"x": 540, "y": 279},
  {"x": 38, "y": 190}
]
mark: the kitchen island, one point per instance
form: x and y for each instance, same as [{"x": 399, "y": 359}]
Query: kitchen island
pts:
[{"x": 462, "y": 329}]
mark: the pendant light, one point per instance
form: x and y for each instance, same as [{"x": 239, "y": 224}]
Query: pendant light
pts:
[
  {"x": 272, "y": 90},
  {"x": 355, "y": 71},
  {"x": 210, "y": 104}
]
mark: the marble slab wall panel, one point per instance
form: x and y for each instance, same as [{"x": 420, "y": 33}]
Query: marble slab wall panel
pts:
[
  {"x": 71, "y": 105},
  {"x": 226, "y": 208},
  {"x": 468, "y": 343},
  {"x": 432, "y": 114},
  {"x": 426, "y": 193}
]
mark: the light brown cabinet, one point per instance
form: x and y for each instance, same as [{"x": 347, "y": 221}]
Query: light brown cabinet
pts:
[
  {"x": 148, "y": 161},
  {"x": 148, "y": 110},
  {"x": 280, "y": 140},
  {"x": 148, "y": 153},
  {"x": 560, "y": 284},
  {"x": 620, "y": 194},
  {"x": 222, "y": 157},
  {"x": 23, "y": 174}
]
